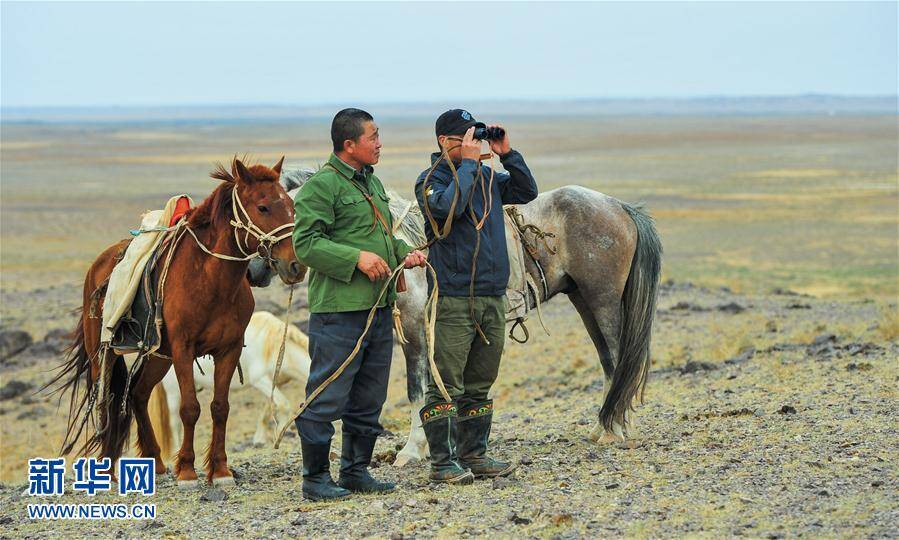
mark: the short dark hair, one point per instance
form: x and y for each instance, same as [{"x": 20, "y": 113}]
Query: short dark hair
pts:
[{"x": 348, "y": 125}]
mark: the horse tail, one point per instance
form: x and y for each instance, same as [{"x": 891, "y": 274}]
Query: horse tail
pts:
[
  {"x": 158, "y": 410},
  {"x": 74, "y": 371},
  {"x": 638, "y": 305}
]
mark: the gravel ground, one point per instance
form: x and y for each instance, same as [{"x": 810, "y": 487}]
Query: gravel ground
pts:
[{"x": 765, "y": 416}]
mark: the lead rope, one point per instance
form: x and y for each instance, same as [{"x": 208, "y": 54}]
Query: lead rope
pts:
[
  {"x": 271, "y": 397},
  {"x": 478, "y": 225},
  {"x": 441, "y": 233},
  {"x": 430, "y": 304},
  {"x": 430, "y": 325}
]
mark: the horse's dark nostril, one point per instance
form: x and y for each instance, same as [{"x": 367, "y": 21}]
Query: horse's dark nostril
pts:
[{"x": 295, "y": 268}]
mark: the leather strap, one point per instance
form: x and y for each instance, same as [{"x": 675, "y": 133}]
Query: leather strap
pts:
[{"x": 378, "y": 217}]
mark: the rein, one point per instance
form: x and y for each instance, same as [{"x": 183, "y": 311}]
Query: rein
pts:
[{"x": 440, "y": 234}]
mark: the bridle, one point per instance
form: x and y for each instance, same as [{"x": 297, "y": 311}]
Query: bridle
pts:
[{"x": 242, "y": 222}]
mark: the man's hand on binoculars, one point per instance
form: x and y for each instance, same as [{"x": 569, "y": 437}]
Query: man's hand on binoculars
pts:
[
  {"x": 471, "y": 147},
  {"x": 502, "y": 146}
]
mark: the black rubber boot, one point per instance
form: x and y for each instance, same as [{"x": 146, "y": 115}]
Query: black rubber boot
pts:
[
  {"x": 355, "y": 458},
  {"x": 439, "y": 423},
  {"x": 474, "y": 431},
  {"x": 317, "y": 482}
]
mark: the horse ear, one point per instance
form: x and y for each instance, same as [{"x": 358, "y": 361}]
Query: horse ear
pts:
[
  {"x": 277, "y": 167},
  {"x": 243, "y": 174}
]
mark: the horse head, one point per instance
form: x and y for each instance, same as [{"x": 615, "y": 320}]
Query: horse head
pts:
[{"x": 263, "y": 217}]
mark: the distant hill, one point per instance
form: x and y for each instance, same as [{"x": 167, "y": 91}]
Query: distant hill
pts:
[{"x": 812, "y": 104}]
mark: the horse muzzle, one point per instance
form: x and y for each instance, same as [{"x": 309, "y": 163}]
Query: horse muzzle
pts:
[{"x": 290, "y": 272}]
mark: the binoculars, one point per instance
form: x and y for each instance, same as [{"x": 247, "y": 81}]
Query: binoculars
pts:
[{"x": 489, "y": 133}]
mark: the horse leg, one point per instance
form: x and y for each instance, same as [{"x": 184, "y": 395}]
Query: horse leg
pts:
[
  {"x": 264, "y": 385},
  {"x": 189, "y": 411},
  {"x": 217, "y": 470},
  {"x": 261, "y": 437},
  {"x": 152, "y": 372},
  {"x": 173, "y": 401},
  {"x": 609, "y": 320},
  {"x": 602, "y": 319},
  {"x": 416, "y": 447}
]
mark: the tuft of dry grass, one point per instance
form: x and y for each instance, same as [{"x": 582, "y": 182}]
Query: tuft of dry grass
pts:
[{"x": 888, "y": 325}]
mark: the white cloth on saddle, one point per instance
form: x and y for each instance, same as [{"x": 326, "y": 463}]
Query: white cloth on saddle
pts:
[
  {"x": 517, "y": 306},
  {"x": 125, "y": 277}
]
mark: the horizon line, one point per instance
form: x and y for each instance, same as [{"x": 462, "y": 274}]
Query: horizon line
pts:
[{"x": 697, "y": 97}]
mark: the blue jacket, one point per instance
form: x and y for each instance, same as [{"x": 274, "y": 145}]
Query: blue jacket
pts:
[{"x": 452, "y": 256}]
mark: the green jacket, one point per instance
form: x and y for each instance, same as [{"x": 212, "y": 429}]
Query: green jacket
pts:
[{"x": 333, "y": 223}]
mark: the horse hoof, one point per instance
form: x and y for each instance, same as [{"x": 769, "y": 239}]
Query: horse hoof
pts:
[
  {"x": 187, "y": 484},
  {"x": 606, "y": 438},
  {"x": 630, "y": 444},
  {"x": 404, "y": 459},
  {"x": 223, "y": 481}
]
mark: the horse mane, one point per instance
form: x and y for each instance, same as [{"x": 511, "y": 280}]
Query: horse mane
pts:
[
  {"x": 293, "y": 179},
  {"x": 411, "y": 227},
  {"x": 216, "y": 208}
]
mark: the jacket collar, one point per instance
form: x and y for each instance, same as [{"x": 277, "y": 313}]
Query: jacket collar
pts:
[{"x": 346, "y": 169}]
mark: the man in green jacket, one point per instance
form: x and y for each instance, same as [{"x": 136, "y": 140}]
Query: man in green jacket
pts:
[{"x": 343, "y": 233}]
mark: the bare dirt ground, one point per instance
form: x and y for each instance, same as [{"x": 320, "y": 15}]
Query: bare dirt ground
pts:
[{"x": 769, "y": 413}]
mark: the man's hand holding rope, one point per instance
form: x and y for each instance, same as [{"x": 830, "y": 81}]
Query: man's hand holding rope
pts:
[{"x": 415, "y": 258}]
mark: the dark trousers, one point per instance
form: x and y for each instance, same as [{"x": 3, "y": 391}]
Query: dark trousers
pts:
[{"x": 358, "y": 394}]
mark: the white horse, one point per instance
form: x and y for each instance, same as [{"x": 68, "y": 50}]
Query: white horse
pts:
[{"x": 262, "y": 342}]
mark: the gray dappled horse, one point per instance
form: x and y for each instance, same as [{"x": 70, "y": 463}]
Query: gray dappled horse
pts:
[{"x": 608, "y": 262}]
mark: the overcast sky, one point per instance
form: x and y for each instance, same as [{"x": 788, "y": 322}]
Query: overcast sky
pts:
[{"x": 97, "y": 54}]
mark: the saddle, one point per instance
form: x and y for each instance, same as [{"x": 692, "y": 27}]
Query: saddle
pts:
[
  {"x": 136, "y": 330},
  {"x": 129, "y": 307},
  {"x": 522, "y": 290}
]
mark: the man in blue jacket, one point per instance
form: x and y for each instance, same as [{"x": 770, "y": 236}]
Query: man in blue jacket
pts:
[{"x": 472, "y": 266}]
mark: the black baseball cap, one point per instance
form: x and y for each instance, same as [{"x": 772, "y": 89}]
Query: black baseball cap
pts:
[{"x": 456, "y": 122}]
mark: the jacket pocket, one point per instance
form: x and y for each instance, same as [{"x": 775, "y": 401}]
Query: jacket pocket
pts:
[
  {"x": 352, "y": 199},
  {"x": 351, "y": 213}
]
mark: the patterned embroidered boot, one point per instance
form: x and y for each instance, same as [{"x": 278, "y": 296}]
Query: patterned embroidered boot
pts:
[
  {"x": 439, "y": 423},
  {"x": 474, "y": 431}
]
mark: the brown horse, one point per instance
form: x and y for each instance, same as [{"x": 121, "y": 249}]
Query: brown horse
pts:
[{"x": 208, "y": 304}]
